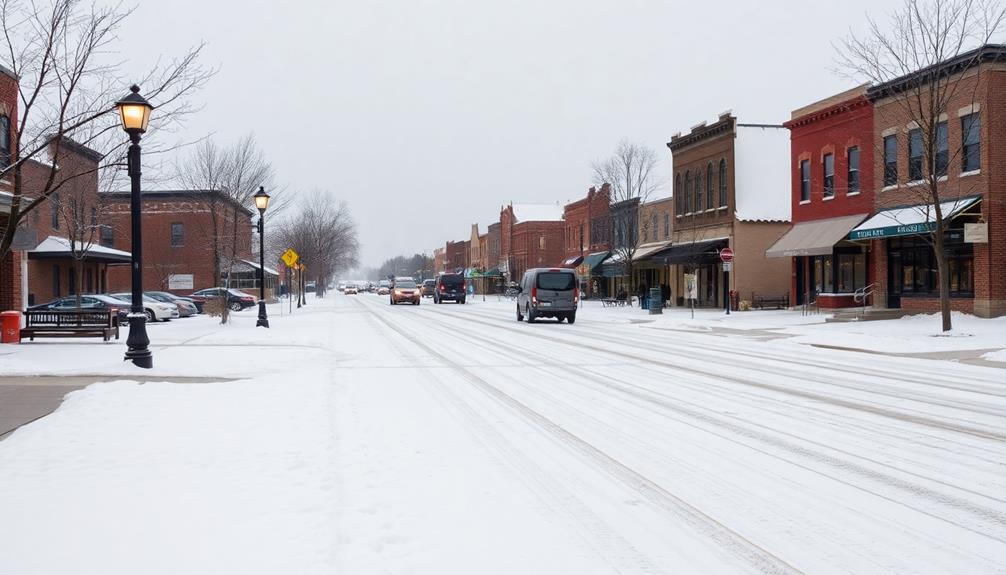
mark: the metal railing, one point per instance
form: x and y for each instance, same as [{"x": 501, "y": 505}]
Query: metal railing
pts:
[
  {"x": 862, "y": 295},
  {"x": 810, "y": 307}
]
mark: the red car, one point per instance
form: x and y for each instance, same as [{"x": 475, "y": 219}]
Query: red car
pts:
[{"x": 236, "y": 300}]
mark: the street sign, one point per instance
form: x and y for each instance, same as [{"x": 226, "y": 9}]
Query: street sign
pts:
[
  {"x": 726, "y": 255},
  {"x": 728, "y": 266},
  {"x": 290, "y": 258},
  {"x": 691, "y": 286}
]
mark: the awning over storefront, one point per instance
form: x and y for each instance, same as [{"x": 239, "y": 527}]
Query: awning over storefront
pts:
[
  {"x": 816, "y": 238},
  {"x": 696, "y": 253},
  {"x": 909, "y": 220},
  {"x": 493, "y": 273},
  {"x": 572, "y": 262},
  {"x": 593, "y": 260},
  {"x": 54, "y": 247},
  {"x": 646, "y": 250}
]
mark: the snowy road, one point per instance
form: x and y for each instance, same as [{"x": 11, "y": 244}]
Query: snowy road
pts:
[{"x": 451, "y": 439}]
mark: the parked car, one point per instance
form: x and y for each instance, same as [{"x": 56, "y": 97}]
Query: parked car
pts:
[
  {"x": 155, "y": 310},
  {"x": 429, "y": 288},
  {"x": 186, "y": 307},
  {"x": 383, "y": 290},
  {"x": 88, "y": 302},
  {"x": 350, "y": 290},
  {"x": 405, "y": 291},
  {"x": 236, "y": 300},
  {"x": 450, "y": 287},
  {"x": 548, "y": 292}
]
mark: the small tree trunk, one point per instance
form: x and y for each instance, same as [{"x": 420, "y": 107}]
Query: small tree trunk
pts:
[
  {"x": 944, "y": 278},
  {"x": 78, "y": 272}
]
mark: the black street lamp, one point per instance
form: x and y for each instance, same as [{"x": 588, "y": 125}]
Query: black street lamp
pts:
[
  {"x": 134, "y": 111},
  {"x": 261, "y": 202}
]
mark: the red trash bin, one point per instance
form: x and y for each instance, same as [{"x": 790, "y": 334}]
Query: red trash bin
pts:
[{"x": 10, "y": 327}]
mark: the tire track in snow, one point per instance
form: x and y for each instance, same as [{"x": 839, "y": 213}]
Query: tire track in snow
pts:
[{"x": 727, "y": 539}]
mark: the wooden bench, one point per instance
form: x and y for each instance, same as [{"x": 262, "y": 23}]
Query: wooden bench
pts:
[
  {"x": 92, "y": 323},
  {"x": 613, "y": 302},
  {"x": 759, "y": 301}
]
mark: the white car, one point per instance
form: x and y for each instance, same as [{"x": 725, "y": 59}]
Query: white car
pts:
[
  {"x": 155, "y": 310},
  {"x": 350, "y": 290}
]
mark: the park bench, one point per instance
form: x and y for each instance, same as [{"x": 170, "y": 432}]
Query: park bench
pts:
[
  {"x": 615, "y": 301},
  {"x": 48, "y": 323},
  {"x": 759, "y": 301}
]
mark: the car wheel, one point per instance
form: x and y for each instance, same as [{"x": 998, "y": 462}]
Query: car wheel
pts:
[
  {"x": 571, "y": 318},
  {"x": 520, "y": 316},
  {"x": 236, "y": 306},
  {"x": 531, "y": 316},
  {"x": 415, "y": 302},
  {"x": 150, "y": 315}
]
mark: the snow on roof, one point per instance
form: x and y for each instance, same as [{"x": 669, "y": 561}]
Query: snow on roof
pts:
[
  {"x": 537, "y": 212},
  {"x": 58, "y": 245},
  {"x": 761, "y": 174},
  {"x": 268, "y": 269}
]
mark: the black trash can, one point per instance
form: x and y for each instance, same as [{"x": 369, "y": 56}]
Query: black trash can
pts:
[{"x": 656, "y": 301}]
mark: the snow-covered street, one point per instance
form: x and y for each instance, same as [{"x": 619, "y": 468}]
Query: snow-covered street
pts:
[{"x": 357, "y": 437}]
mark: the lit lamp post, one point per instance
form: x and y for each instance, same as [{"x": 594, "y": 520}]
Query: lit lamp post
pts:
[
  {"x": 134, "y": 111},
  {"x": 261, "y": 202}
]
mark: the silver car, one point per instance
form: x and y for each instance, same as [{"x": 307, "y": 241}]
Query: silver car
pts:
[{"x": 548, "y": 292}]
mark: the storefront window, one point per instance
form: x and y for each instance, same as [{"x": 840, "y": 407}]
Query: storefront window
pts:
[
  {"x": 851, "y": 272},
  {"x": 920, "y": 271},
  {"x": 823, "y": 274}
]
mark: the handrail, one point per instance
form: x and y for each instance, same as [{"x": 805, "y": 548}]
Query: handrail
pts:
[{"x": 863, "y": 294}]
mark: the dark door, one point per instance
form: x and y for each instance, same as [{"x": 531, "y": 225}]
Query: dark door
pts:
[
  {"x": 801, "y": 280},
  {"x": 895, "y": 280}
]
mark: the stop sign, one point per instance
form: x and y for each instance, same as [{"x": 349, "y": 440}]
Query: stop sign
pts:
[{"x": 726, "y": 255}]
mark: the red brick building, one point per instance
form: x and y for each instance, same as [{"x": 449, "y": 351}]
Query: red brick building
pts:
[
  {"x": 587, "y": 235},
  {"x": 456, "y": 257},
  {"x": 178, "y": 240},
  {"x": 531, "y": 236},
  {"x": 832, "y": 192},
  {"x": 970, "y": 166}
]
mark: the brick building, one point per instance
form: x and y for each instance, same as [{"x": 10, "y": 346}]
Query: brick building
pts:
[
  {"x": 179, "y": 238},
  {"x": 832, "y": 174},
  {"x": 971, "y": 184},
  {"x": 587, "y": 235},
  {"x": 731, "y": 189},
  {"x": 456, "y": 257},
  {"x": 531, "y": 236},
  {"x": 656, "y": 224},
  {"x": 12, "y": 274},
  {"x": 438, "y": 261}
]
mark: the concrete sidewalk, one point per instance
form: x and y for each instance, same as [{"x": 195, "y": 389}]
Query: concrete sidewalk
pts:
[{"x": 25, "y": 399}]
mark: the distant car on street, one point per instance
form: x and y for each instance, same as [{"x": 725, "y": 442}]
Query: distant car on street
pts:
[
  {"x": 236, "y": 300},
  {"x": 186, "y": 307},
  {"x": 429, "y": 287},
  {"x": 88, "y": 302},
  {"x": 450, "y": 287},
  {"x": 383, "y": 290},
  {"x": 350, "y": 290},
  {"x": 548, "y": 292},
  {"x": 405, "y": 291},
  {"x": 155, "y": 310}
]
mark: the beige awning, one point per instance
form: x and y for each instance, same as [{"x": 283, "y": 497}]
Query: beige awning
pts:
[
  {"x": 646, "y": 250},
  {"x": 816, "y": 238}
]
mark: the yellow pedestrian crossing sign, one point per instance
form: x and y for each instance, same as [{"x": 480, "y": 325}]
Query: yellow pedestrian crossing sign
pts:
[{"x": 290, "y": 258}]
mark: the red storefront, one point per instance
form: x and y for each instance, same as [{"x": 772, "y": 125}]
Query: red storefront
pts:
[{"x": 832, "y": 192}]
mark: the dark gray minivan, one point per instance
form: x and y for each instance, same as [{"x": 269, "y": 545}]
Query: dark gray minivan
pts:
[{"x": 548, "y": 292}]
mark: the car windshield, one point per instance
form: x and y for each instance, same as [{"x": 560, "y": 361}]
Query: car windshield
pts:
[
  {"x": 556, "y": 281},
  {"x": 453, "y": 280},
  {"x": 405, "y": 285},
  {"x": 430, "y": 283}
]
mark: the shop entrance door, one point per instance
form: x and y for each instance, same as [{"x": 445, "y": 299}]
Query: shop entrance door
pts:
[
  {"x": 895, "y": 280},
  {"x": 801, "y": 280}
]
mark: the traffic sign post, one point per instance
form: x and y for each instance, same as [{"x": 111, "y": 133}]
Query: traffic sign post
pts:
[{"x": 727, "y": 257}]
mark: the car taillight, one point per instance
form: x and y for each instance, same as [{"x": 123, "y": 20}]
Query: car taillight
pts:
[
  {"x": 576, "y": 295},
  {"x": 534, "y": 295},
  {"x": 443, "y": 289}
]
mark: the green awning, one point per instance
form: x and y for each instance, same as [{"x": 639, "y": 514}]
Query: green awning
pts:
[
  {"x": 593, "y": 260},
  {"x": 908, "y": 221}
]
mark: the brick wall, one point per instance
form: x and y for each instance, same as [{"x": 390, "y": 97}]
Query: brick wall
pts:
[{"x": 537, "y": 244}]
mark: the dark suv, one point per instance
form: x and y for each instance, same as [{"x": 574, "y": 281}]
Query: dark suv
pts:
[
  {"x": 548, "y": 292},
  {"x": 450, "y": 287}
]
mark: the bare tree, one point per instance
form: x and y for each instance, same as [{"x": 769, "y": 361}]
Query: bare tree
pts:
[
  {"x": 921, "y": 65},
  {"x": 61, "y": 53},
  {"x": 631, "y": 173},
  {"x": 324, "y": 234}
]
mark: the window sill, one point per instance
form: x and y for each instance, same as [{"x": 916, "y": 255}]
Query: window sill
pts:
[
  {"x": 804, "y": 202},
  {"x": 889, "y": 188},
  {"x": 852, "y": 194},
  {"x": 941, "y": 179},
  {"x": 969, "y": 174},
  {"x": 710, "y": 210},
  {"x": 916, "y": 183},
  {"x": 829, "y": 198},
  {"x": 721, "y": 208}
]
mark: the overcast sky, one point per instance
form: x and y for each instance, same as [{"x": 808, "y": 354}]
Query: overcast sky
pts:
[{"x": 428, "y": 116}]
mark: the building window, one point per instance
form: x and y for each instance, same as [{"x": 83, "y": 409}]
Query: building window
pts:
[
  {"x": 678, "y": 194},
  {"x": 177, "y": 235},
  {"x": 853, "y": 170},
  {"x": 54, "y": 207},
  {"x": 890, "y": 161},
  {"x": 688, "y": 192},
  {"x": 698, "y": 192},
  {"x": 710, "y": 201},
  {"x": 667, "y": 225},
  {"x": 914, "y": 265},
  {"x": 915, "y": 155},
  {"x": 5, "y": 158},
  {"x": 971, "y": 127},
  {"x": 942, "y": 149},
  {"x": 804, "y": 180},
  {"x": 541, "y": 242},
  {"x": 850, "y": 271},
  {"x": 829, "y": 175},
  {"x": 55, "y": 282},
  {"x": 107, "y": 236},
  {"x": 653, "y": 225},
  {"x": 723, "y": 183}
]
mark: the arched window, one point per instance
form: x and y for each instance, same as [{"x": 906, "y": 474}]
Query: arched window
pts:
[
  {"x": 688, "y": 192},
  {"x": 709, "y": 200},
  {"x": 4, "y": 142},
  {"x": 698, "y": 191},
  {"x": 678, "y": 195},
  {"x": 723, "y": 183}
]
